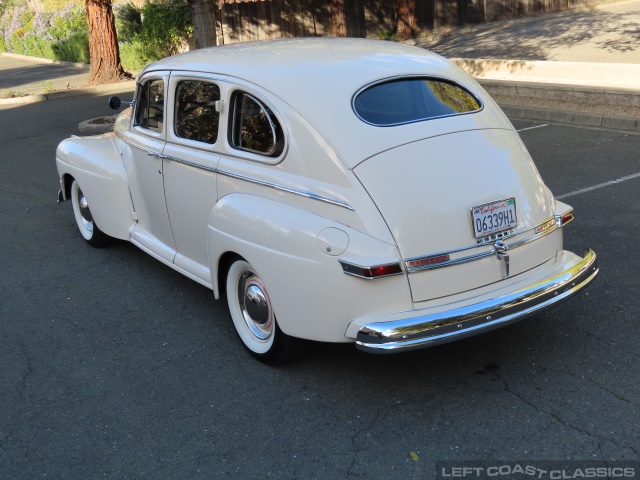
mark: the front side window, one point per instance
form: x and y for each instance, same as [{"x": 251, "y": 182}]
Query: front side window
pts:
[
  {"x": 196, "y": 115},
  {"x": 150, "y": 105},
  {"x": 409, "y": 100},
  {"x": 254, "y": 127}
]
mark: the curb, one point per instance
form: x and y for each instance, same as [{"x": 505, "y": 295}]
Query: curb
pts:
[
  {"x": 128, "y": 86},
  {"x": 45, "y": 60},
  {"x": 629, "y": 124},
  {"x": 587, "y": 74},
  {"x": 572, "y": 93}
]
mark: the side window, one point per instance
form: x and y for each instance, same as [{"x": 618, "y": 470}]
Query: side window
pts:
[
  {"x": 150, "y": 105},
  {"x": 196, "y": 115},
  {"x": 254, "y": 127}
]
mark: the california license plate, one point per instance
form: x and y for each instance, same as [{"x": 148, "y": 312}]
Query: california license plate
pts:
[{"x": 494, "y": 217}]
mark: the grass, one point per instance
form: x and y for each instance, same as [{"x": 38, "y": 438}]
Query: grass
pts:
[
  {"x": 14, "y": 93},
  {"x": 47, "y": 87}
]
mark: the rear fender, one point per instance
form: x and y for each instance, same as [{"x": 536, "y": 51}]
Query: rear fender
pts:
[
  {"x": 96, "y": 164},
  {"x": 311, "y": 295}
]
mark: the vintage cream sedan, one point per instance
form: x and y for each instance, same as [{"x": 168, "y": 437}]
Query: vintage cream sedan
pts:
[{"x": 337, "y": 190}]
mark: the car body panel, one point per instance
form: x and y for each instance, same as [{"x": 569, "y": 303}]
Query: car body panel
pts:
[
  {"x": 306, "y": 284},
  {"x": 96, "y": 163}
]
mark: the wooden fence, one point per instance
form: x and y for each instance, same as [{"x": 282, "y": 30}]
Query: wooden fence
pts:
[{"x": 263, "y": 19}]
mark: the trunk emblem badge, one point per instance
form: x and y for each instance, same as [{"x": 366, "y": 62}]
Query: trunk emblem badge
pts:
[{"x": 502, "y": 254}]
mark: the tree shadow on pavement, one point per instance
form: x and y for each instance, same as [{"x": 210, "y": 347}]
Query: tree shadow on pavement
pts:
[{"x": 536, "y": 39}]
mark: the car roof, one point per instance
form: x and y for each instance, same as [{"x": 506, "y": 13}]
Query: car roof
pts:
[{"x": 318, "y": 77}]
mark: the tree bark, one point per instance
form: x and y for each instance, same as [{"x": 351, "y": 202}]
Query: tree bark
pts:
[
  {"x": 204, "y": 22},
  {"x": 104, "y": 54},
  {"x": 338, "y": 19},
  {"x": 406, "y": 24}
]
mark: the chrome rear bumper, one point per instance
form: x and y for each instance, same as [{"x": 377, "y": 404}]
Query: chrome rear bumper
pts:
[{"x": 429, "y": 330}]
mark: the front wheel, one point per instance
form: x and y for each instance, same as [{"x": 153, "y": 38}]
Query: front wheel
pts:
[
  {"x": 253, "y": 316},
  {"x": 86, "y": 224}
]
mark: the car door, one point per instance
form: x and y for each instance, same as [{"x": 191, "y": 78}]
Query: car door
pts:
[
  {"x": 190, "y": 160},
  {"x": 143, "y": 161}
]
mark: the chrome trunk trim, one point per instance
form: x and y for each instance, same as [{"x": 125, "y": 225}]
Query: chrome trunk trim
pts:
[
  {"x": 434, "y": 329},
  {"x": 410, "y": 262}
]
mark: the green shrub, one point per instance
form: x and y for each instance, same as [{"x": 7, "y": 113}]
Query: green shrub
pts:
[
  {"x": 164, "y": 28},
  {"x": 132, "y": 55},
  {"x": 70, "y": 20},
  {"x": 3, "y": 45},
  {"x": 17, "y": 42},
  {"x": 128, "y": 22},
  {"x": 73, "y": 49},
  {"x": 38, "y": 47}
]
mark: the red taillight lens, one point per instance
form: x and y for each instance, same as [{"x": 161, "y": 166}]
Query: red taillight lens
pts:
[
  {"x": 383, "y": 270},
  {"x": 566, "y": 218},
  {"x": 371, "y": 272}
]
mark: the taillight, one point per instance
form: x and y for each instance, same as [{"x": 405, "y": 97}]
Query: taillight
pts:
[
  {"x": 562, "y": 220},
  {"x": 371, "y": 272}
]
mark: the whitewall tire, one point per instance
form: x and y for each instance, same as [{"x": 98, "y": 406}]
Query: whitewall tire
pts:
[
  {"x": 84, "y": 219},
  {"x": 254, "y": 318}
]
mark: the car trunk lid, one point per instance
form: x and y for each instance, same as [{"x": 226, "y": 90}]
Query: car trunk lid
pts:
[{"x": 426, "y": 191}]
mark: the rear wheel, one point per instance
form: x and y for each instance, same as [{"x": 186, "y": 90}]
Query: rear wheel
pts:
[
  {"x": 254, "y": 318},
  {"x": 86, "y": 224}
]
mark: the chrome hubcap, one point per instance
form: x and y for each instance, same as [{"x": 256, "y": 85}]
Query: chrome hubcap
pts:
[
  {"x": 255, "y": 305},
  {"x": 85, "y": 213}
]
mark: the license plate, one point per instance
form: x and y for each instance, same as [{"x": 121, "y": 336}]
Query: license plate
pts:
[{"x": 494, "y": 217}]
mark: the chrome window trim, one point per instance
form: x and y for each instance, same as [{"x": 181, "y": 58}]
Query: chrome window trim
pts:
[
  {"x": 413, "y": 76},
  {"x": 481, "y": 255}
]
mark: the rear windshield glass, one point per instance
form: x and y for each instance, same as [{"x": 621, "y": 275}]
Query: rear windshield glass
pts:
[{"x": 410, "y": 100}]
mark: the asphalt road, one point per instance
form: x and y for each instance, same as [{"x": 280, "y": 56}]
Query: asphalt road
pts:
[
  {"x": 115, "y": 366},
  {"x": 29, "y": 75}
]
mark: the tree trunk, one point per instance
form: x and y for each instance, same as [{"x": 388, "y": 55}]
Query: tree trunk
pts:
[
  {"x": 104, "y": 54},
  {"x": 338, "y": 19},
  {"x": 204, "y": 22},
  {"x": 406, "y": 24}
]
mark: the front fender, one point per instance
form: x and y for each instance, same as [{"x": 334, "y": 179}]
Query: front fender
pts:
[
  {"x": 311, "y": 295},
  {"x": 96, "y": 164}
]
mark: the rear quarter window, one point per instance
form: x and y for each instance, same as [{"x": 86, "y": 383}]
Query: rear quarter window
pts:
[
  {"x": 408, "y": 100},
  {"x": 254, "y": 127}
]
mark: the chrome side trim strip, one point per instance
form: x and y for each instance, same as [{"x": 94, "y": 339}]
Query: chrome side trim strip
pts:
[
  {"x": 283, "y": 188},
  {"x": 148, "y": 151},
  {"x": 189, "y": 163},
  {"x": 477, "y": 256},
  {"x": 433, "y": 329}
]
